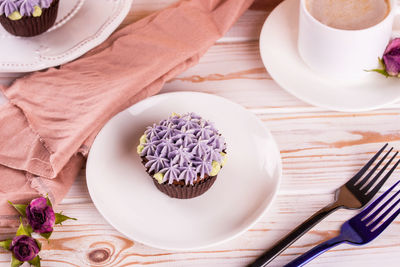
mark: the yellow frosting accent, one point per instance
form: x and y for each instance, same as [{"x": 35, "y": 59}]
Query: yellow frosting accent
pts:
[
  {"x": 159, "y": 177},
  {"x": 139, "y": 148},
  {"x": 216, "y": 167},
  {"x": 143, "y": 139},
  {"x": 224, "y": 159},
  {"x": 175, "y": 114},
  {"x": 37, "y": 11},
  {"x": 15, "y": 16}
]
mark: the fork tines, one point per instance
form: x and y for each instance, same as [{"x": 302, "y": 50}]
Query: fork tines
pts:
[
  {"x": 365, "y": 186},
  {"x": 371, "y": 221}
]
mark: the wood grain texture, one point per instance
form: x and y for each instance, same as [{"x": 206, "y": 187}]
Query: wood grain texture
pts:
[
  {"x": 91, "y": 241},
  {"x": 320, "y": 150}
]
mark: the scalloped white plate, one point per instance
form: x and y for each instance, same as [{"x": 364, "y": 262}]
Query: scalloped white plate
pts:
[
  {"x": 80, "y": 26},
  {"x": 126, "y": 196}
]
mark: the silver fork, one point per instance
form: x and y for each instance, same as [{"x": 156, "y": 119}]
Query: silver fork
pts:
[
  {"x": 355, "y": 194},
  {"x": 359, "y": 230}
]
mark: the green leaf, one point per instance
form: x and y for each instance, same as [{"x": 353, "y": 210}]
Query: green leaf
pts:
[
  {"x": 29, "y": 229},
  {"x": 6, "y": 244},
  {"x": 46, "y": 235},
  {"x": 381, "y": 63},
  {"x": 48, "y": 202},
  {"x": 380, "y": 71},
  {"x": 20, "y": 208},
  {"x": 39, "y": 244},
  {"x": 61, "y": 218},
  {"x": 22, "y": 230},
  {"x": 35, "y": 262},
  {"x": 15, "y": 262}
]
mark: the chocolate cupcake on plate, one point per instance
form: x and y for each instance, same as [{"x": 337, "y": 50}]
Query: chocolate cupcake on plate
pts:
[
  {"x": 183, "y": 155},
  {"x": 28, "y": 17}
]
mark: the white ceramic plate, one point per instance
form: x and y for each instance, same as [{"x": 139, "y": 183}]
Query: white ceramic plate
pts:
[
  {"x": 90, "y": 22},
  {"x": 126, "y": 196},
  {"x": 278, "y": 47}
]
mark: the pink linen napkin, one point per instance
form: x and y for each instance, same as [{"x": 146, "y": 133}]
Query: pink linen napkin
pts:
[{"x": 52, "y": 117}]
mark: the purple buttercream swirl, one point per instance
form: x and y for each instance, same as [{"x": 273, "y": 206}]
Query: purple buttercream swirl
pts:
[
  {"x": 8, "y": 7},
  {"x": 203, "y": 165},
  {"x": 181, "y": 156},
  {"x": 45, "y": 3},
  {"x": 188, "y": 174},
  {"x": 200, "y": 149},
  {"x": 24, "y": 7},
  {"x": 182, "y": 148},
  {"x": 156, "y": 163},
  {"x": 150, "y": 148},
  {"x": 171, "y": 173}
]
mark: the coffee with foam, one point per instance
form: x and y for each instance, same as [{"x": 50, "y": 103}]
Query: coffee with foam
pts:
[{"x": 349, "y": 14}]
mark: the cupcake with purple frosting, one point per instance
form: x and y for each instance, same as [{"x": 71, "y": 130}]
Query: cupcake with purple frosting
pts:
[
  {"x": 183, "y": 155},
  {"x": 28, "y": 17}
]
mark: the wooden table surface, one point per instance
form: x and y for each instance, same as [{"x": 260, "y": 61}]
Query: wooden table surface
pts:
[{"x": 320, "y": 150}]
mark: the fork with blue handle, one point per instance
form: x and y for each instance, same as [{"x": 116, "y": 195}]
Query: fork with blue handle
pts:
[
  {"x": 359, "y": 230},
  {"x": 355, "y": 194}
]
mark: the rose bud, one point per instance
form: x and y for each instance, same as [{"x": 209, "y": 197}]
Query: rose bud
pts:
[
  {"x": 24, "y": 248},
  {"x": 391, "y": 58},
  {"x": 40, "y": 216}
]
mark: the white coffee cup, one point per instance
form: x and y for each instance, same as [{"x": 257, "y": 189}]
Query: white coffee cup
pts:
[{"x": 343, "y": 54}]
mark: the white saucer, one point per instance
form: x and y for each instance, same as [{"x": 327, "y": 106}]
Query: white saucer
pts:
[
  {"x": 278, "y": 47},
  {"x": 90, "y": 22},
  {"x": 126, "y": 196}
]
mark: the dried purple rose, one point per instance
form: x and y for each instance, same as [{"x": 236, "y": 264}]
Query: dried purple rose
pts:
[
  {"x": 390, "y": 61},
  {"x": 41, "y": 219},
  {"x": 24, "y": 248},
  {"x": 391, "y": 58},
  {"x": 40, "y": 215}
]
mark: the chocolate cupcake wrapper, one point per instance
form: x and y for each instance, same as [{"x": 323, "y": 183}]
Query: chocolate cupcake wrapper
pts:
[
  {"x": 31, "y": 26},
  {"x": 186, "y": 191}
]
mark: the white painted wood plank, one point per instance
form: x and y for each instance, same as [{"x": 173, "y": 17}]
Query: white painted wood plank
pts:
[
  {"x": 320, "y": 151},
  {"x": 74, "y": 242},
  {"x": 235, "y": 71}
]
